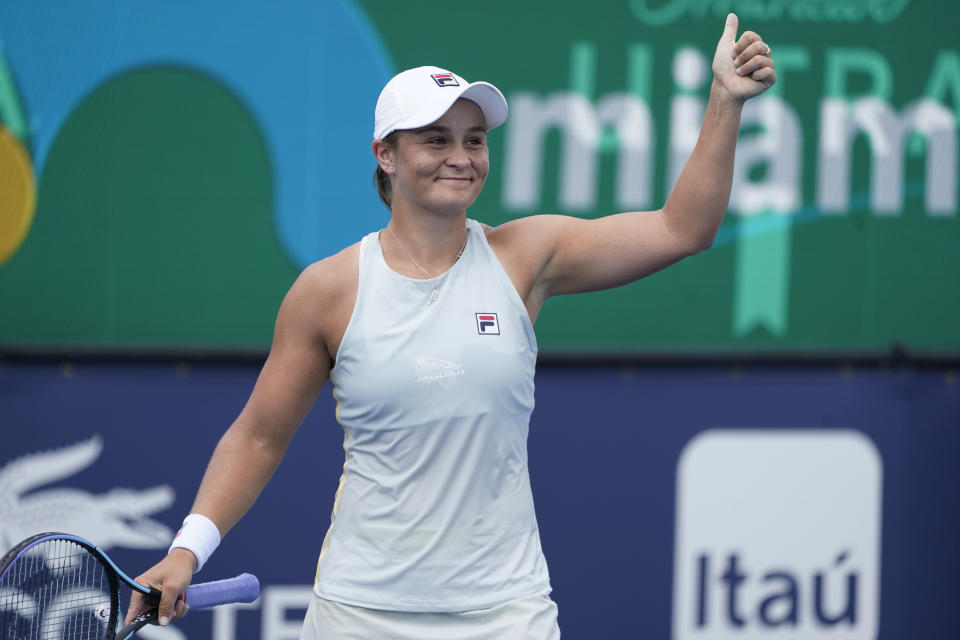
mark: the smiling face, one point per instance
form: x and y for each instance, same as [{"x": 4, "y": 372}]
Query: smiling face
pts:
[{"x": 440, "y": 167}]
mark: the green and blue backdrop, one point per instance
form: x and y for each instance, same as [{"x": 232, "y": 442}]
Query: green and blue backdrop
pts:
[{"x": 167, "y": 168}]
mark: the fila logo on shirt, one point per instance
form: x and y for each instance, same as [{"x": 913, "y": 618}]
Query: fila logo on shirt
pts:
[
  {"x": 445, "y": 80},
  {"x": 487, "y": 324}
]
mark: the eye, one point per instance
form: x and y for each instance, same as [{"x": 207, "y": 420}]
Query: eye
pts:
[{"x": 437, "y": 140}]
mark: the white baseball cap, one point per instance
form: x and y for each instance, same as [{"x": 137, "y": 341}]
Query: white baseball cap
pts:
[{"x": 416, "y": 97}]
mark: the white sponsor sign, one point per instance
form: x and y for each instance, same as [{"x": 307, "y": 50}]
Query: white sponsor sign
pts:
[{"x": 777, "y": 536}]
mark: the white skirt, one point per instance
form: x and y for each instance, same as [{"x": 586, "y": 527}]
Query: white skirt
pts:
[{"x": 530, "y": 618}]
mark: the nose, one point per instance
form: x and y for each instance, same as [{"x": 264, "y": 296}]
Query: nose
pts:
[{"x": 458, "y": 158}]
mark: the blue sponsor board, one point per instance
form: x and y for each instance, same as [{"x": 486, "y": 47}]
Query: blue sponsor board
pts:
[{"x": 114, "y": 451}]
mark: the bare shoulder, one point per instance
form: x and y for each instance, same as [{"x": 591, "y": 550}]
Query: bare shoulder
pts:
[
  {"x": 304, "y": 343},
  {"x": 524, "y": 233},
  {"x": 527, "y": 242},
  {"x": 321, "y": 300},
  {"x": 332, "y": 277}
]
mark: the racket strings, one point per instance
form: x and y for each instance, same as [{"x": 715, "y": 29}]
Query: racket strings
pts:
[{"x": 57, "y": 590}]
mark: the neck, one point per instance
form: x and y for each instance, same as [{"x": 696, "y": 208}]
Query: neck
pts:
[
  {"x": 425, "y": 245},
  {"x": 436, "y": 224}
]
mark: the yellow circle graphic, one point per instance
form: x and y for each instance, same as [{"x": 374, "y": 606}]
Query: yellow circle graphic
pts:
[{"x": 18, "y": 194}]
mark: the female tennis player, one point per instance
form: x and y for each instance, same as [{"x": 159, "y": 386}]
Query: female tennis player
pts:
[{"x": 425, "y": 329}]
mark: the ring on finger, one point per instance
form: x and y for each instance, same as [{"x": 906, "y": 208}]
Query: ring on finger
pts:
[{"x": 767, "y": 52}]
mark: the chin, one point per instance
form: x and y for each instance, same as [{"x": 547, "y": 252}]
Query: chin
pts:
[
  {"x": 453, "y": 208},
  {"x": 457, "y": 202}
]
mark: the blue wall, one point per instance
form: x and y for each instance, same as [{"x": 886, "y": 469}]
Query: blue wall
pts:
[{"x": 604, "y": 447}]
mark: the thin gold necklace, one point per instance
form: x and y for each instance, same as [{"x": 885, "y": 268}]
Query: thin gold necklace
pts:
[{"x": 436, "y": 290}]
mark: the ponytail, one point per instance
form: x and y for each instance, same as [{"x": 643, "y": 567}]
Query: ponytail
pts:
[{"x": 382, "y": 181}]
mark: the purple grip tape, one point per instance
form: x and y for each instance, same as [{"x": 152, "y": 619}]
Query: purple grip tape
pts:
[{"x": 243, "y": 588}]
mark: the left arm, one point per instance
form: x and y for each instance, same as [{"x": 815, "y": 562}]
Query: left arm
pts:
[
  {"x": 695, "y": 207},
  {"x": 574, "y": 255}
]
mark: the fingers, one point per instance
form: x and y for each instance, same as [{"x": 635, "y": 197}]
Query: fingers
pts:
[
  {"x": 165, "y": 612},
  {"x": 181, "y": 607},
  {"x": 754, "y": 64},
  {"x": 172, "y": 602},
  {"x": 170, "y": 577},
  {"x": 748, "y": 38},
  {"x": 765, "y": 75},
  {"x": 138, "y": 604},
  {"x": 743, "y": 58},
  {"x": 757, "y": 48}
]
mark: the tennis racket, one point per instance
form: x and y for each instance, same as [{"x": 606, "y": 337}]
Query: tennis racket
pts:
[{"x": 55, "y": 586}]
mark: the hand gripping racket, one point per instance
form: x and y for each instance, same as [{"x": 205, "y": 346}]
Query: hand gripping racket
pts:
[{"x": 55, "y": 586}]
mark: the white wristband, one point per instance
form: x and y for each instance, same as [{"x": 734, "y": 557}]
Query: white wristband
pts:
[{"x": 199, "y": 536}]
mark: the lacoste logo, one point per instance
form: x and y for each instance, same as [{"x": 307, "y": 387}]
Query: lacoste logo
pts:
[{"x": 118, "y": 518}]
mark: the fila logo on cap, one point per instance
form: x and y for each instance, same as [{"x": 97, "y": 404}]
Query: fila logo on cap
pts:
[
  {"x": 487, "y": 324},
  {"x": 445, "y": 80}
]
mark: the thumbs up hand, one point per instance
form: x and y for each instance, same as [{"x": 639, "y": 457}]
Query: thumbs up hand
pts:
[{"x": 742, "y": 67}]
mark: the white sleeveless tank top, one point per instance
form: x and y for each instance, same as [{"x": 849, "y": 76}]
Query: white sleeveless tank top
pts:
[{"x": 434, "y": 510}]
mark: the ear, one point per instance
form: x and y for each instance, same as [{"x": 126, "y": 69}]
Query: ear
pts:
[{"x": 384, "y": 155}]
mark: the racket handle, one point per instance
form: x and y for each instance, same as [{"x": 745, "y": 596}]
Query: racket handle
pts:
[{"x": 243, "y": 588}]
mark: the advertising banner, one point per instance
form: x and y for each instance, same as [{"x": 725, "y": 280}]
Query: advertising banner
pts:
[
  {"x": 167, "y": 168},
  {"x": 695, "y": 504}
]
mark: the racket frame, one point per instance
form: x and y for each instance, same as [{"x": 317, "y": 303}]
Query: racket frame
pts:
[
  {"x": 247, "y": 584},
  {"x": 113, "y": 572}
]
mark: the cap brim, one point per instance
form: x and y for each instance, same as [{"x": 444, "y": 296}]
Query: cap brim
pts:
[
  {"x": 483, "y": 94},
  {"x": 490, "y": 101}
]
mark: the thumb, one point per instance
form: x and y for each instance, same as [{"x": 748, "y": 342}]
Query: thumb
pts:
[{"x": 730, "y": 28}]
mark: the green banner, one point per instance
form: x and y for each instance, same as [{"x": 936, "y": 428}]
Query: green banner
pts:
[{"x": 177, "y": 189}]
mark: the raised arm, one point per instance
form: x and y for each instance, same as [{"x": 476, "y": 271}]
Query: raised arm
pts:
[
  {"x": 694, "y": 209},
  {"x": 570, "y": 255},
  {"x": 250, "y": 450}
]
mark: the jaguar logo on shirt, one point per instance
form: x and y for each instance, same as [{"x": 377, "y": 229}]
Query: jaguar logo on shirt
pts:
[{"x": 443, "y": 372}]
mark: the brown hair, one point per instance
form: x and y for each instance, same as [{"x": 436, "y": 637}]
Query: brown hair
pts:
[{"x": 380, "y": 178}]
